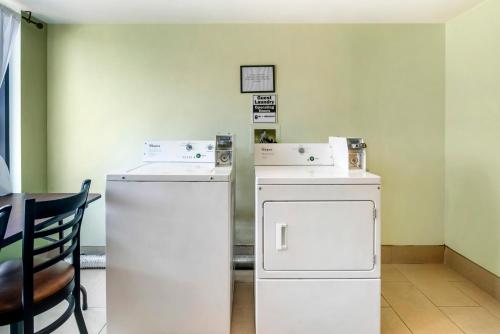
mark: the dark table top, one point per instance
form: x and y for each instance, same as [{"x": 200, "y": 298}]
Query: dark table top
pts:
[{"x": 16, "y": 219}]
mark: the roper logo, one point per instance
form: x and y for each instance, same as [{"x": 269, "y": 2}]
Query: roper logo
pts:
[
  {"x": 154, "y": 145},
  {"x": 266, "y": 149}
]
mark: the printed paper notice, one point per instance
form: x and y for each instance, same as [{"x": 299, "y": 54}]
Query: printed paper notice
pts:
[{"x": 264, "y": 108}]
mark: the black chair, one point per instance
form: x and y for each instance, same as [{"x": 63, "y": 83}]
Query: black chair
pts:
[
  {"x": 4, "y": 219},
  {"x": 42, "y": 280},
  {"x": 55, "y": 238}
]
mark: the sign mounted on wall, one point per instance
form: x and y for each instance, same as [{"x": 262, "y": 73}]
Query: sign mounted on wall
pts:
[
  {"x": 264, "y": 134},
  {"x": 257, "y": 79},
  {"x": 264, "y": 108}
]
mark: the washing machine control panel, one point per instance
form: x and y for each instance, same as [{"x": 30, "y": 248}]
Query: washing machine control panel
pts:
[
  {"x": 293, "y": 155},
  {"x": 179, "y": 151}
]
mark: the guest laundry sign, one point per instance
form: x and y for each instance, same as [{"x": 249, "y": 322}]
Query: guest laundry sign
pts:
[{"x": 264, "y": 109}]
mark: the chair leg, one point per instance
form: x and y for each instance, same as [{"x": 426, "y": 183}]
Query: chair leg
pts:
[
  {"x": 79, "y": 320},
  {"x": 29, "y": 325},
  {"x": 16, "y": 328},
  {"x": 85, "y": 305}
]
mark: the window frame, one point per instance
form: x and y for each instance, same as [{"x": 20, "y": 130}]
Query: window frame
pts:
[{"x": 6, "y": 111}]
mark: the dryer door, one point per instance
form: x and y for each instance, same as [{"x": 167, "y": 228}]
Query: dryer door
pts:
[{"x": 319, "y": 236}]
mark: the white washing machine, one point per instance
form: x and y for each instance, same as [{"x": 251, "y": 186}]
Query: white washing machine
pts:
[
  {"x": 317, "y": 243},
  {"x": 169, "y": 231}
]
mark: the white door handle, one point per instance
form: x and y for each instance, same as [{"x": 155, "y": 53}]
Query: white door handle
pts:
[{"x": 281, "y": 237}]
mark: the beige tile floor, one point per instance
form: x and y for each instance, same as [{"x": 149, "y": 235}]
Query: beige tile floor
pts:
[{"x": 419, "y": 299}]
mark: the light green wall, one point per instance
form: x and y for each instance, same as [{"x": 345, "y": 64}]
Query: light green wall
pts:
[
  {"x": 398, "y": 104},
  {"x": 112, "y": 86},
  {"x": 472, "y": 205},
  {"x": 33, "y": 117},
  {"x": 33, "y": 108}
]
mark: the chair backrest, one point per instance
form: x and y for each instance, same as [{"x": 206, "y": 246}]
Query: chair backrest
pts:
[
  {"x": 44, "y": 219},
  {"x": 4, "y": 219}
]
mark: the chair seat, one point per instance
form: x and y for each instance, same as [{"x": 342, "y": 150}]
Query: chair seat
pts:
[{"x": 46, "y": 283}]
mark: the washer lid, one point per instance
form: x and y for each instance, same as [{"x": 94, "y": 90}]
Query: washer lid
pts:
[
  {"x": 174, "y": 172},
  {"x": 312, "y": 175}
]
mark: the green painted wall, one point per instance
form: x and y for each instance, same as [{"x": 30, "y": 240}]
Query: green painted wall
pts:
[
  {"x": 112, "y": 86},
  {"x": 398, "y": 105},
  {"x": 33, "y": 108},
  {"x": 472, "y": 210},
  {"x": 33, "y": 116}
]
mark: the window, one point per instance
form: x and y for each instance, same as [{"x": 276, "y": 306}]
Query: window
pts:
[{"x": 4, "y": 118}]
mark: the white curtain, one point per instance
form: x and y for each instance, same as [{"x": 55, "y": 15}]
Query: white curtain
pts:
[{"x": 9, "y": 27}]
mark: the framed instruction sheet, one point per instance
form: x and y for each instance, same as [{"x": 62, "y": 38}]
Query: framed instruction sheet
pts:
[{"x": 257, "y": 79}]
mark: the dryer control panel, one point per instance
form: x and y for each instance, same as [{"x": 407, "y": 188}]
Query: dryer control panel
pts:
[
  {"x": 186, "y": 151},
  {"x": 293, "y": 155}
]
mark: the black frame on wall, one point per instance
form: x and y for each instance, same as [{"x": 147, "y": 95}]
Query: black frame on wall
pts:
[{"x": 260, "y": 91}]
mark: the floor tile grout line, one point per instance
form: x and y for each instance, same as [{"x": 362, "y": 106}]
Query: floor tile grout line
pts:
[
  {"x": 464, "y": 279},
  {"x": 460, "y": 306},
  {"x": 392, "y": 308},
  {"x": 395, "y": 268},
  {"x": 497, "y": 316},
  {"x": 414, "y": 283},
  {"x": 439, "y": 309},
  {"x": 454, "y": 306},
  {"x": 446, "y": 315},
  {"x": 399, "y": 317},
  {"x": 382, "y": 297}
]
